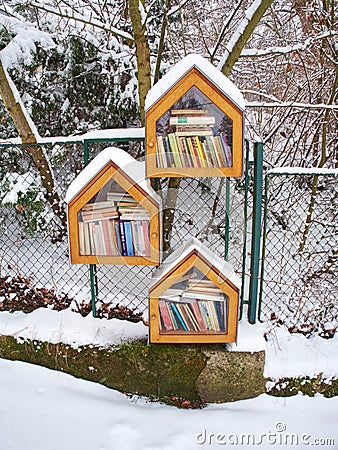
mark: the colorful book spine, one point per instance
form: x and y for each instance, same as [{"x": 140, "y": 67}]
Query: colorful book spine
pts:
[
  {"x": 164, "y": 313},
  {"x": 129, "y": 238}
]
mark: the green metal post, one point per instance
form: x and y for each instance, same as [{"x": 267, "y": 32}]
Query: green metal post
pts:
[
  {"x": 92, "y": 267},
  {"x": 245, "y": 226},
  {"x": 256, "y": 231},
  {"x": 85, "y": 153},
  {"x": 93, "y": 287},
  {"x": 227, "y": 219}
]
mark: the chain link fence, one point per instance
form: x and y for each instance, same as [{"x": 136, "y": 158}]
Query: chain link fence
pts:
[
  {"x": 300, "y": 252},
  {"x": 210, "y": 209}
]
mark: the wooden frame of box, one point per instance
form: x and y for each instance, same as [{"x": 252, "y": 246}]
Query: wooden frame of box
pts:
[
  {"x": 220, "y": 273},
  {"x": 103, "y": 169},
  {"x": 194, "y": 72}
]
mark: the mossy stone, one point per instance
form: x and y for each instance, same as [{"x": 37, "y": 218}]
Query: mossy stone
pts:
[{"x": 230, "y": 376}]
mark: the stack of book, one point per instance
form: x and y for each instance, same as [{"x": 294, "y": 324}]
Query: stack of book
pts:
[
  {"x": 113, "y": 227},
  {"x": 193, "y": 143},
  {"x": 199, "y": 307}
]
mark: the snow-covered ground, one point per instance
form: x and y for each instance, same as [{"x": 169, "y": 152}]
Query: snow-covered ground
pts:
[{"x": 47, "y": 410}]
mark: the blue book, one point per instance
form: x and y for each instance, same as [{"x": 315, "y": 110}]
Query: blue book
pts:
[
  {"x": 118, "y": 238},
  {"x": 178, "y": 316},
  {"x": 129, "y": 239},
  {"x": 123, "y": 238}
]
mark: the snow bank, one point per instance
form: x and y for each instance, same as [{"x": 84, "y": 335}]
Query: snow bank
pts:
[
  {"x": 70, "y": 328},
  {"x": 294, "y": 355}
]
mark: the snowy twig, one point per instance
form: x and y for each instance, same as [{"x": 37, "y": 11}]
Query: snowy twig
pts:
[
  {"x": 256, "y": 53},
  {"x": 70, "y": 14}
]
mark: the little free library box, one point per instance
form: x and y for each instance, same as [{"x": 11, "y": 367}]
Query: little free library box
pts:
[
  {"x": 193, "y": 298},
  {"x": 194, "y": 123},
  {"x": 114, "y": 215}
]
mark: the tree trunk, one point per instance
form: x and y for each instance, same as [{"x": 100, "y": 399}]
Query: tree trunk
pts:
[
  {"x": 26, "y": 133},
  {"x": 142, "y": 54}
]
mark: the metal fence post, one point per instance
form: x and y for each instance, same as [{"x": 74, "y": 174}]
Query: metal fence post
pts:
[
  {"x": 92, "y": 267},
  {"x": 256, "y": 231},
  {"x": 227, "y": 219}
]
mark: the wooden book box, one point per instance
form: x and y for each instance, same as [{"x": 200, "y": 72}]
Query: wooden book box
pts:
[
  {"x": 114, "y": 216},
  {"x": 193, "y": 298},
  {"x": 194, "y": 123}
]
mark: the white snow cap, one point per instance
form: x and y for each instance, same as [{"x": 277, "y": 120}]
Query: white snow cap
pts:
[
  {"x": 206, "y": 68},
  {"x": 184, "y": 250},
  {"x": 133, "y": 168}
]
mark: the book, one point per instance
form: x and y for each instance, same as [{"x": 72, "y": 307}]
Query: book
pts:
[
  {"x": 118, "y": 197},
  {"x": 82, "y": 247},
  {"x": 192, "y": 120},
  {"x": 172, "y": 316},
  {"x": 189, "y": 112},
  {"x": 145, "y": 229},
  {"x": 174, "y": 150},
  {"x": 123, "y": 238},
  {"x": 118, "y": 237},
  {"x": 197, "y": 313},
  {"x": 192, "y": 317},
  {"x": 185, "y": 317},
  {"x": 107, "y": 237},
  {"x": 97, "y": 205},
  {"x": 161, "y": 153},
  {"x": 226, "y": 148},
  {"x": 195, "y": 151},
  {"x": 201, "y": 155},
  {"x": 129, "y": 238},
  {"x": 165, "y": 315},
  {"x": 178, "y": 316}
]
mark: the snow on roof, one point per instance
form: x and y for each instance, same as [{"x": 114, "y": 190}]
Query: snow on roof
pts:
[
  {"x": 206, "y": 68},
  {"x": 133, "y": 168},
  {"x": 183, "y": 251}
]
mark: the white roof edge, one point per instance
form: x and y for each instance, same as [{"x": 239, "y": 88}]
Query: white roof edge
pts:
[
  {"x": 180, "y": 69},
  {"x": 224, "y": 267},
  {"x": 133, "y": 168}
]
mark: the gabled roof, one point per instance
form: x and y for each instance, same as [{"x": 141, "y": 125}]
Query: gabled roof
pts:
[
  {"x": 183, "y": 251},
  {"x": 206, "y": 68},
  {"x": 133, "y": 168}
]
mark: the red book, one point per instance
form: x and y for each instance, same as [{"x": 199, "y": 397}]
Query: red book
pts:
[
  {"x": 107, "y": 237},
  {"x": 198, "y": 315},
  {"x": 194, "y": 146},
  {"x": 165, "y": 315},
  {"x": 145, "y": 228}
]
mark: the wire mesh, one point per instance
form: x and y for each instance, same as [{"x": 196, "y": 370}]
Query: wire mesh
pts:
[
  {"x": 300, "y": 256},
  {"x": 30, "y": 244}
]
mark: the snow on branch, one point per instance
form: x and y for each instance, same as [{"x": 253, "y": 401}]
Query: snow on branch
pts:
[
  {"x": 68, "y": 13},
  {"x": 256, "y": 53},
  {"x": 176, "y": 8},
  {"x": 22, "y": 47},
  {"x": 238, "y": 40},
  {"x": 302, "y": 171},
  {"x": 290, "y": 105}
]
